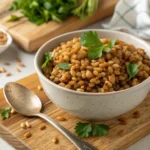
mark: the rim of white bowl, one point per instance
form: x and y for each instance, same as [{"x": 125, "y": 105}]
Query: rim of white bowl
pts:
[
  {"x": 9, "y": 41},
  {"x": 39, "y": 72}
]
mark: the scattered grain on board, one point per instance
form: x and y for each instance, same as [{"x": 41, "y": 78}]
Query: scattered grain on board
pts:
[
  {"x": 136, "y": 114},
  {"x": 28, "y": 124},
  {"x": 23, "y": 125},
  {"x": 8, "y": 74},
  {"x": 61, "y": 118},
  {"x": 55, "y": 140},
  {"x": 123, "y": 120},
  {"x": 27, "y": 135},
  {"x": 13, "y": 111},
  {"x": 42, "y": 127},
  {"x": 121, "y": 132},
  {"x": 39, "y": 87}
]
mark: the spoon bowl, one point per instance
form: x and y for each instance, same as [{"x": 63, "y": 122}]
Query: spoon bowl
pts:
[{"x": 21, "y": 99}]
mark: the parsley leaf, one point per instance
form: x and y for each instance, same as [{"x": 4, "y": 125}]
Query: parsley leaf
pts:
[
  {"x": 47, "y": 58},
  {"x": 14, "y": 18},
  {"x": 132, "y": 69},
  {"x": 83, "y": 129},
  {"x": 48, "y": 5},
  {"x": 90, "y": 38},
  {"x": 100, "y": 130},
  {"x": 64, "y": 65},
  {"x": 95, "y": 52},
  {"x": 86, "y": 129},
  {"x": 5, "y": 113},
  {"x": 110, "y": 45}
]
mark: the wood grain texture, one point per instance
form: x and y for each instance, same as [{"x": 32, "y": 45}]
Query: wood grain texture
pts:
[
  {"x": 30, "y": 36},
  {"x": 10, "y": 130}
]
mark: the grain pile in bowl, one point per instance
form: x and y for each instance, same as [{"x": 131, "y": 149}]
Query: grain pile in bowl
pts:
[
  {"x": 90, "y": 64},
  {"x": 3, "y": 38}
]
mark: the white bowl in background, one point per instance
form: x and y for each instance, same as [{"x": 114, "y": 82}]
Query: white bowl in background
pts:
[
  {"x": 93, "y": 106},
  {"x": 9, "y": 41}
]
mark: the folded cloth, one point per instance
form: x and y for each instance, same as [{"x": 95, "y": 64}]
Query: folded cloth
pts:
[{"x": 132, "y": 16}]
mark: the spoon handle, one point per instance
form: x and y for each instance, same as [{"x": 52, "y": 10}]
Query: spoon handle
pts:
[{"x": 80, "y": 144}]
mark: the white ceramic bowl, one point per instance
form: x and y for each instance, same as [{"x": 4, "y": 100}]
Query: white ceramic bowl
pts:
[
  {"x": 9, "y": 41},
  {"x": 93, "y": 106}
]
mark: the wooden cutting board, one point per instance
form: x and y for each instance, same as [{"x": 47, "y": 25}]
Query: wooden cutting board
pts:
[
  {"x": 10, "y": 129},
  {"x": 30, "y": 36}
]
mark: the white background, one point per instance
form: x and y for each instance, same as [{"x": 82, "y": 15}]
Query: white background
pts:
[{"x": 13, "y": 52}]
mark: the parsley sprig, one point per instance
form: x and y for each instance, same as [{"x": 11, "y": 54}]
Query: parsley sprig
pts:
[
  {"x": 84, "y": 130},
  {"x": 64, "y": 66},
  {"x": 132, "y": 69},
  {"x": 5, "y": 113},
  {"x": 47, "y": 58},
  {"x": 91, "y": 40}
]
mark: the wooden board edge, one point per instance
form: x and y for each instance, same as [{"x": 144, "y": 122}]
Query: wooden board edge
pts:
[
  {"x": 22, "y": 42},
  {"x": 12, "y": 140}
]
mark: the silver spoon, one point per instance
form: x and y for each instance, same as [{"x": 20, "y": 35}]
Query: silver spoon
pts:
[{"x": 25, "y": 102}]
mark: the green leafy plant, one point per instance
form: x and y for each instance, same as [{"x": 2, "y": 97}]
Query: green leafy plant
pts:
[
  {"x": 47, "y": 58},
  {"x": 5, "y": 112},
  {"x": 40, "y": 11},
  {"x": 91, "y": 40},
  {"x": 64, "y": 65},
  {"x": 14, "y": 18},
  {"x": 132, "y": 69},
  {"x": 84, "y": 130}
]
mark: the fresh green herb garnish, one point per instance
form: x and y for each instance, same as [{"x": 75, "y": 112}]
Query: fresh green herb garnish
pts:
[
  {"x": 40, "y": 11},
  {"x": 64, "y": 65},
  {"x": 100, "y": 130},
  {"x": 47, "y": 58},
  {"x": 83, "y": 129},
  {"x": 87, "y": 8},
  {"x": 91, "y": 40},
  {"x": 95, "y": 52},
  {"x": 86, "y": 129},
  {"x": 14, "y": 18},
  {"x": 5, "y": 113},
  {"x": 132, "y": 69},
  {"x": 110, "y": 45}
]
